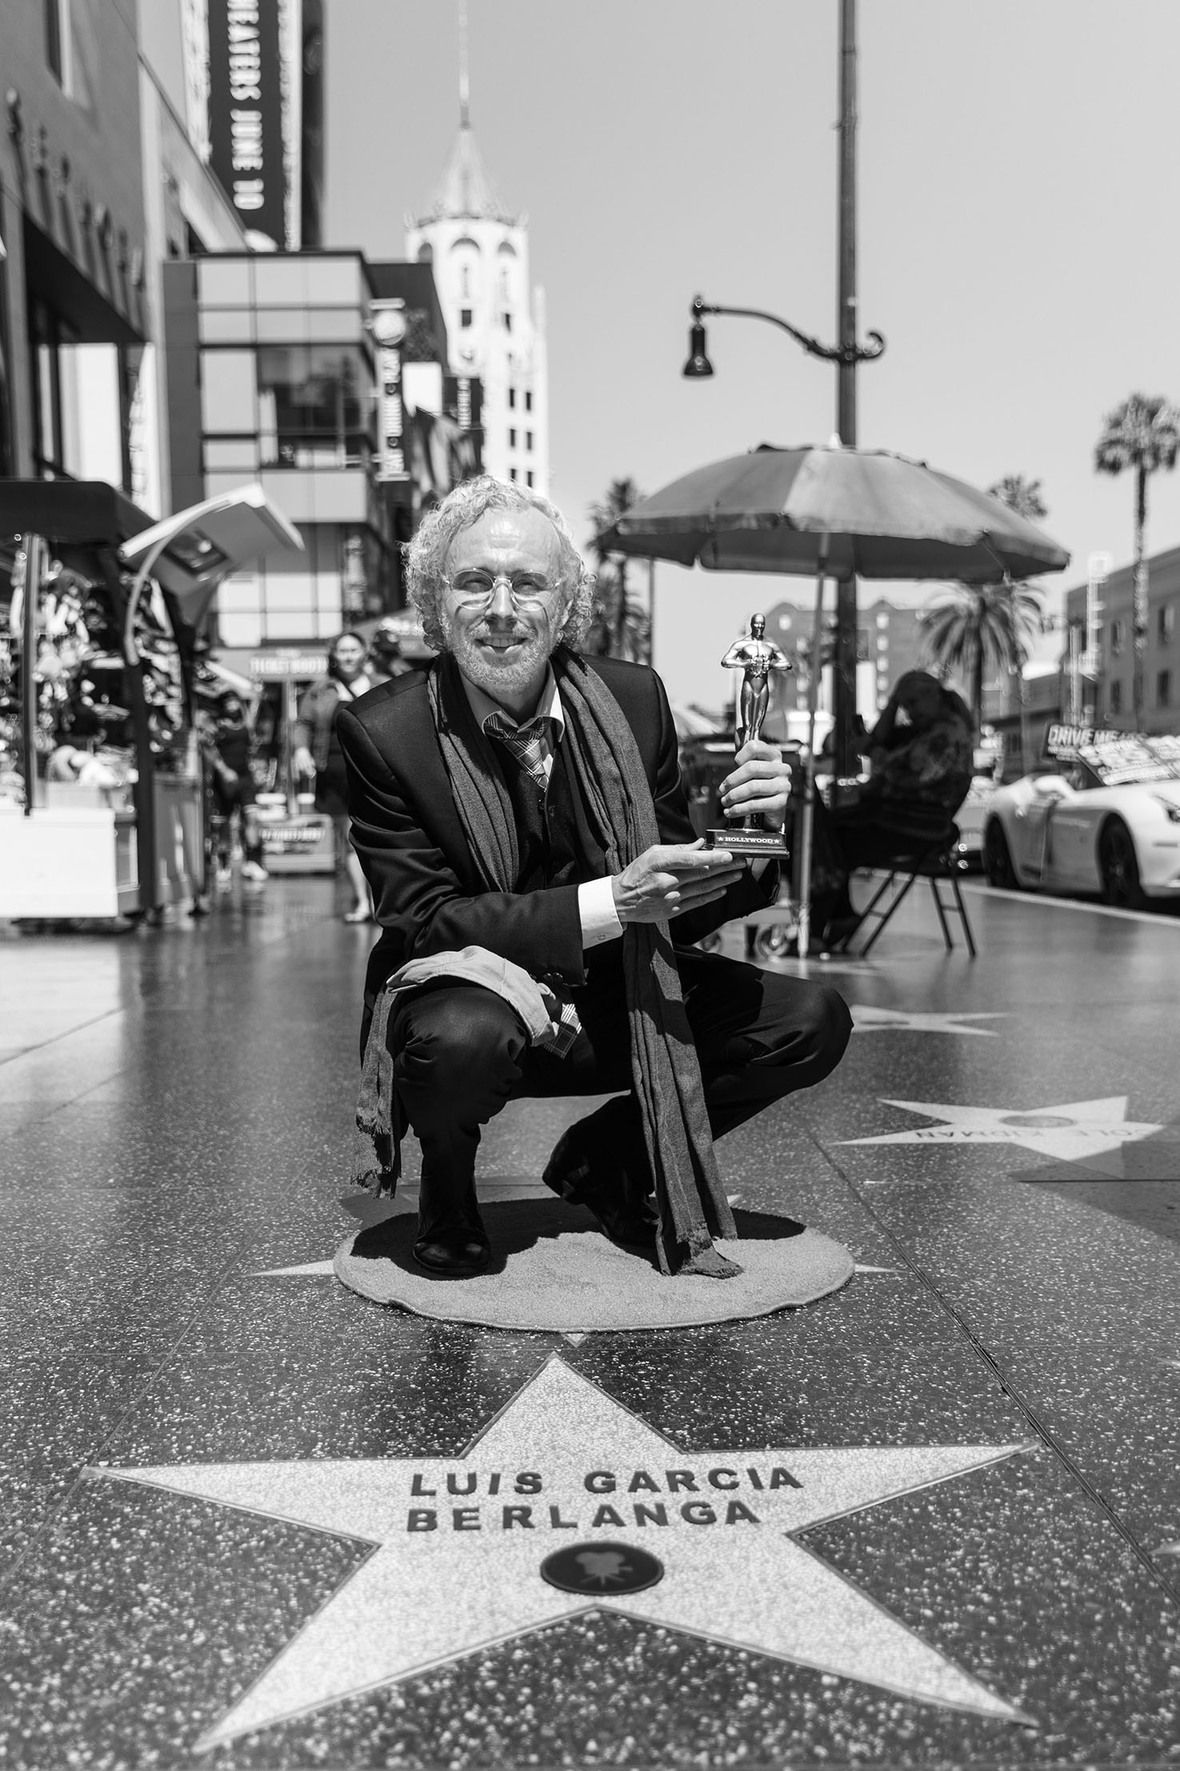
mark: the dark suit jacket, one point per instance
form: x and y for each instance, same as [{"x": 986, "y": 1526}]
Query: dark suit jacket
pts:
[{"x": 428, "y": 894}]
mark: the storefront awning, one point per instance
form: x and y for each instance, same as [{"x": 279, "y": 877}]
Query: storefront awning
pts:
[
  {"x": 69, "y": 510},
  {"x": 190, "y": 553}
]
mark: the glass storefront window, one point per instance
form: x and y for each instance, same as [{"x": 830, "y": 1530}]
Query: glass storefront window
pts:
[{"x": 315, "y": 406}]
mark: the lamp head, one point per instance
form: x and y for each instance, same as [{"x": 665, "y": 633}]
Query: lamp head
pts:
[{"x": 698, "y": 365}]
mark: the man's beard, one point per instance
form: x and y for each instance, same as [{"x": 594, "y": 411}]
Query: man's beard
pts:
[{"x": 499, "y": 675}]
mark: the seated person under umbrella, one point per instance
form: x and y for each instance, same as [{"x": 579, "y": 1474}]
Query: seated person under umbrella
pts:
[{"x": 920, "y": 766}]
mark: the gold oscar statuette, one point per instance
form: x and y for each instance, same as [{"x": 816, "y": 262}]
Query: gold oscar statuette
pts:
[{"x": 755, "y": 656}]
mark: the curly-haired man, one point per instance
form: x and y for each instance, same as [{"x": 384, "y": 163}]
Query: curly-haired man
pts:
[{"x": 518, "y": 812}]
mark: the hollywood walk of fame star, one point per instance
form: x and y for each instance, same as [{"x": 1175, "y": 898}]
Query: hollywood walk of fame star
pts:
[
  {"x": 458, "y": 1546},
  {"x": 867, "y": 1018},
  {"x": 1072, "y": 1131}
]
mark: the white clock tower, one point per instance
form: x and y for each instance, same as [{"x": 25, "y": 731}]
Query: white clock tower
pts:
[{"x": 495, "y": 322}]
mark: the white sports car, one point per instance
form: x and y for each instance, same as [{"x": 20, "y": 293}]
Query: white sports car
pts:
[{"x": 1106, "y": 824}]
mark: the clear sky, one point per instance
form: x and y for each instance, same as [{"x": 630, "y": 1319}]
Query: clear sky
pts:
[{"x": 1018, "y": 233}]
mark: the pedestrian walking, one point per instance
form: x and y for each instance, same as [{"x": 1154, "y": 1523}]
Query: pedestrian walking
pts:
[
  {"x": 385, "y": 654},
  {"x": 229, "y": 752},
  {"x": 317, "y": 753}
]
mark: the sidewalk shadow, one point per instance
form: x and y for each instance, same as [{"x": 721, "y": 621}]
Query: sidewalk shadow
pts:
[{"x": 515, "y": 1225}]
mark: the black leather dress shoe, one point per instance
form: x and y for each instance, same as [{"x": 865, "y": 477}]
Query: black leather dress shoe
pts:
[
  {"x": 460, "y": 1254},
  {"x": 622, "y": 1218},
  {"x": 451, "y": 1239}
]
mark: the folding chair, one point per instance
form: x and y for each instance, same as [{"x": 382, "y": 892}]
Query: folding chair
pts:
[{"x": 933, "y": 861}]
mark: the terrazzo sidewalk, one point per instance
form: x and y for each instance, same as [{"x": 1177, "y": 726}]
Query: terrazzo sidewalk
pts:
[{"x": 251, "y": 1519}]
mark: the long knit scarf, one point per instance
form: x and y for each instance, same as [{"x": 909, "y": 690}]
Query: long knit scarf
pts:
[{"x": 605, "y": 764}]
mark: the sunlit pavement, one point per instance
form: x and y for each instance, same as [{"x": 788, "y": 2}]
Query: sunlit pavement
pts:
[{"x": 933, "y": 1519}]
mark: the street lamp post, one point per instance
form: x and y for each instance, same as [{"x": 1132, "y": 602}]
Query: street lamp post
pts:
[{"x": 847, "y": 354}]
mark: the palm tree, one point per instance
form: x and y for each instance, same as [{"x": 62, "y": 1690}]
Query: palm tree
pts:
[
  {"x": 1021, "y": 495},
  {"x": 622, "y": 626},
  {"x": 971, "y": 625},
  {"x": 1144, "y": 434}
]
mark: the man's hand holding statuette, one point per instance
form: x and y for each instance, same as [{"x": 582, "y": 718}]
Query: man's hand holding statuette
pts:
[{"x": 761, "y": 782}]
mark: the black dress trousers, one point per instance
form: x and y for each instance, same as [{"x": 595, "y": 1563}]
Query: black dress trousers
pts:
[{"x": 460, "y": 1054}]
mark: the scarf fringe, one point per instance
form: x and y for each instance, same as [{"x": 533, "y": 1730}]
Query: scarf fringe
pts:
[
  {"x": 691, "y": 1202},
  {"x": 708, "y": 1263}
]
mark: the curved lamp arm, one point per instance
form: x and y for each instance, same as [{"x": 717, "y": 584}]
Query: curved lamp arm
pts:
[{"x": 852, "y": 353}]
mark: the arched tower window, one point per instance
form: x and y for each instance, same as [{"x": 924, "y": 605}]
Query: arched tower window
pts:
[
  {"x": 464, "y": 258},
  {"x": 505, "y": 272}
]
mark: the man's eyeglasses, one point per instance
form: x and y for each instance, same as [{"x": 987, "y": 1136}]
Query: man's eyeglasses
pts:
[{"x": 475, "y": 590}]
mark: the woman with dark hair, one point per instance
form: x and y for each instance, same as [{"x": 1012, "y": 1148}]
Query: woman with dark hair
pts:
[
  {"x": 921, "y": 754},
  {"x": 317, "y": 752}
]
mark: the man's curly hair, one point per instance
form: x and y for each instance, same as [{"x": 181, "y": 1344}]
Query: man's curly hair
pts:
[{"x": 426, "y": 554}]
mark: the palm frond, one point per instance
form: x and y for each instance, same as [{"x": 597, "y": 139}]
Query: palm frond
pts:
[{"x": 1144, "y": 431}]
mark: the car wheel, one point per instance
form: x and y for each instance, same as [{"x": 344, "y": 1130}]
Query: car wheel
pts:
[
  {"x": 1119, "y": 867},
  {"x": 997, "y": 858}
]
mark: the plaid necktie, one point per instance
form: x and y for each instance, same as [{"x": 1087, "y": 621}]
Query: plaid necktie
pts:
[{"x": 529, "y": 745}]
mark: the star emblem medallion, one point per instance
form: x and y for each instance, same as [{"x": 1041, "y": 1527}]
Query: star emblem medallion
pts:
[{"x": 568, "y": 1503}]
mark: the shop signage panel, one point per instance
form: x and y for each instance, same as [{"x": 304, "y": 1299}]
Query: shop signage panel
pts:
[
  {"x": 246, "y": 111},
  {"x": 273, "y": 667}
]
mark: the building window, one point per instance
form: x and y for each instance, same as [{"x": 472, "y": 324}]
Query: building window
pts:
[
  {"x": 529, "y": 477},
  {"x": 528, "y": 439},
  {"x": 506, "y": 322},
  {"x": 512, "y": 439},
  {"x": 464, "y": 316},
  {"x": 1163, "y": 689},
  {"x": 311, "y": 407},
  {"x": 1116, "y": 697},
  {"x": 1116, "y": 639},
  {"x": 528, "y": 401},
  {"x": 1165, "y": 621},
  {"x": 56, "y": 418},
  {"x": 511, "y": 473},
  {"x": 511, "y": 399}
]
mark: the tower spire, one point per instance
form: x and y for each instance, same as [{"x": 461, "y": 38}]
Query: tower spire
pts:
[{"x": 464, "y": 83}]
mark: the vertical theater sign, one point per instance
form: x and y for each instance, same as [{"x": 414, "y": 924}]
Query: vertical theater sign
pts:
[{"x": 248, "y": 81}]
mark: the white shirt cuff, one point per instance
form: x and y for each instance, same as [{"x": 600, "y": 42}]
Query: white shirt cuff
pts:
[{"x": 596, "y": 908}]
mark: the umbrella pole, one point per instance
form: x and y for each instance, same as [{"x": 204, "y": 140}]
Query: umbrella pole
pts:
[{"x": 807, "y": 813}]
